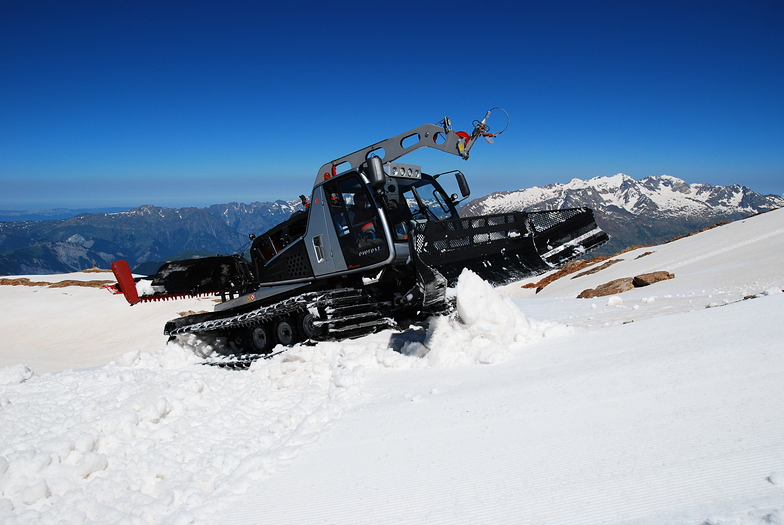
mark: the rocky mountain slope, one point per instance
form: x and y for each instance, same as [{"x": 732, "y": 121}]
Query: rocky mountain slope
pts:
[
  {"x": 648, "y": 211},
  {"x": 256, "y": 217},
  {"x": 143, "y": 234}
]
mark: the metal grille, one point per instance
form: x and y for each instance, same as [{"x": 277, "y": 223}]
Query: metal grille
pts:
[
  {"x": 457, "y": 234},
  {"x": 296, "y": 265},
  {"x": 544, "y": 220}
]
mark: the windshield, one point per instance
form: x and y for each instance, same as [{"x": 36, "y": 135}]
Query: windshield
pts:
[
  {"x": 425, "y": 200},
  {"x": 418, "y": 200}
]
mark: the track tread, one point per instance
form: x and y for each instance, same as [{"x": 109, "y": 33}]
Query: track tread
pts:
[{"x": 345, "y": 313}]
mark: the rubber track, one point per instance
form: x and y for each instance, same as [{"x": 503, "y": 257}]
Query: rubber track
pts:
[{"x": 341, "y": 314}]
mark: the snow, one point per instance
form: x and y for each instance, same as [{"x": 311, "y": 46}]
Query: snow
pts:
[{"x": 664, "y": 404}]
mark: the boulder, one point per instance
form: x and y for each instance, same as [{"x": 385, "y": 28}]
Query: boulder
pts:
[
  {"x": 649, "y": 278},
  {"x": 612, "y": 288}
]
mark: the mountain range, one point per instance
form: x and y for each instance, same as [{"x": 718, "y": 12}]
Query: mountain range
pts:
[
  {"x": 51, "y": 214},
  {"x": 145, "y": 235},
  {"x": 633, "y": 212}
]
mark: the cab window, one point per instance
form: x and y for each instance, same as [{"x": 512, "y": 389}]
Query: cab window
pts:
[
  {"x": 355, "y": 218},
  {"x": 418, "y": 200}
]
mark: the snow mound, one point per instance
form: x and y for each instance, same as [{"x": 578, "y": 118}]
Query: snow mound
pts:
[
  {"x": 12, "y": 375},
  {"x": 489, "y": 328},
  {"x": 777, "y": 478}
]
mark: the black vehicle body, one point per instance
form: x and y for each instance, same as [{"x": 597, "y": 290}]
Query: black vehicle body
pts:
[{"x": 376, "y": 246}]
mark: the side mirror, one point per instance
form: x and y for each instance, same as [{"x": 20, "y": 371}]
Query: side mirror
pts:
[
  {"x": 462, "y": 183},
  {"x": 375, "y": 172}
]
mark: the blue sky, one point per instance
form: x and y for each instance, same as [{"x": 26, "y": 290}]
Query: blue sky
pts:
[{"x": 126, "y": 103}]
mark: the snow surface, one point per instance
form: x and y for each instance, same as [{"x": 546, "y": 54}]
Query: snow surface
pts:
[{"x": 664, "y": 404}]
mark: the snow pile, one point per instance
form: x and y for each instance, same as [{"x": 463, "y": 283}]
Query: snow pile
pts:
[
  {"x": 12, "y": 375},
  {"x": 488, "y": 330}
]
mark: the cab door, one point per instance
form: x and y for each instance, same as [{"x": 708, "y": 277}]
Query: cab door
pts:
[
  {"x": 321, "y": 240},
  {"x": 356, "y": 220}
]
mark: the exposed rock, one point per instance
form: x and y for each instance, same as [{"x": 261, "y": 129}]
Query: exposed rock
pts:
[
  {"x": 575, "y": 266},
  {"x": 613, "y": 287},
  {"x": 624, "y": 284},
  {"x": 86, "y": 284},
  {"x": 192, "y": 312},
  {"x": 649, "y": 278},
  {"x": 598, "y": 268},
  {"x": 21, "y": 281},
  {"x": 643, "y": 255},
  {"x": 95, "y": 269},
  {"x": 24, "y": 281},
  {"x": 569, "y": 267}
]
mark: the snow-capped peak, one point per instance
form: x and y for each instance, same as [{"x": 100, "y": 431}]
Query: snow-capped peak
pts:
[
  {"x": 635, "y": 212},
  {"x": 664, "y": 194}
]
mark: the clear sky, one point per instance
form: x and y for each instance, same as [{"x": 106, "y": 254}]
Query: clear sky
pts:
[{"x": 123, "y": 103}]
